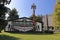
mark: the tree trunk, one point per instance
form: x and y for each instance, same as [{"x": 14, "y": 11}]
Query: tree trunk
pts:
[{"x": 0, "y": 31}]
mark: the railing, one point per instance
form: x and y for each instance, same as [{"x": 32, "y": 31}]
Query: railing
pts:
[{"x": 23, "y": 29}]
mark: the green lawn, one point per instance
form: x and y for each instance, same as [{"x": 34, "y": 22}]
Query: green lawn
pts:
[{"x": 22, "y": 36}]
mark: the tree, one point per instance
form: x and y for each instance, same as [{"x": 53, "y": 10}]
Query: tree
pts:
[
  {"x": 3, "y": 10},
  {"x": 31, "y": 17},
  {"x": 5, "y": 2},
  {"x": 13, "y": 14},
  {"x": 56, "y": 20},
  {"x": 38, "y": 18},
  {"x": 56, "y": 16}
]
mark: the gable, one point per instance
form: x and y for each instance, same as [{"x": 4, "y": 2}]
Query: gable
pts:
[{"x": 23, "y": 19}]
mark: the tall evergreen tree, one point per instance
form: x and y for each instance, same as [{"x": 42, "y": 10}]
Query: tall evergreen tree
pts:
[
  {"x": 3, "y": 10},
  {"x": 13, "y": 14}
]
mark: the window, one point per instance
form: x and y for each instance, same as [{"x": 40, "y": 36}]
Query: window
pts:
[
  {"x": 23, "y": 24},
  {"x": 16, "y": 23}
]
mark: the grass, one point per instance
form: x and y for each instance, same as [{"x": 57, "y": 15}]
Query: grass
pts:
[{"x": 24, "y": 36}]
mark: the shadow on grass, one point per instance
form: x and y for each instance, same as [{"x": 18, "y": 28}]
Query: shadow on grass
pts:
[
  {"x": 6, "y": 37},
  {"x": 31, "y": 33}
]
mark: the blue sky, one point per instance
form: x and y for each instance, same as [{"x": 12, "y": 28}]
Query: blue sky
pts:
[{"x": 24, "y": 7}]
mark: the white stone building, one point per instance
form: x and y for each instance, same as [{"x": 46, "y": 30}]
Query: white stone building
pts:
[
  {"x": 47, "y": 21},
  {"x": 23, "y": 25}
]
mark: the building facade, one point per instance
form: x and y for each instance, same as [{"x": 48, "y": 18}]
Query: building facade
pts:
[
  {"x": 47, "y": 21},
  {"x": 25, "y": 24}
]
